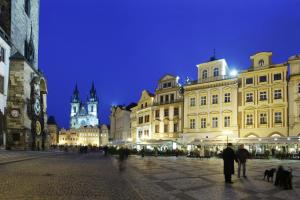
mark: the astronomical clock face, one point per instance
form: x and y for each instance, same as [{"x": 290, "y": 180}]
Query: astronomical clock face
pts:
[
  {"x": 37, "y": 107},
  {"x": 38, "y": 128},
  {"x": 15, "y": 113}
]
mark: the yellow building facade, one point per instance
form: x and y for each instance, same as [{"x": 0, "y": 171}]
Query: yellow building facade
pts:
[
  {"x": 141, "y": 118},
  {"x": 210, "y": 103},
  {"x": 263, "y": 99},
  {"x": 84, "y": 136},
  {"x": 167, "y": 110}
]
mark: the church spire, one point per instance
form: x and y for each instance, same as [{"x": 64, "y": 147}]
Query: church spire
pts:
[
  {"x": 93, "y": 93},
  {"x": 75, "y": 97}
]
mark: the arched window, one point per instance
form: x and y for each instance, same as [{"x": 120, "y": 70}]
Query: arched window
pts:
[
  {"x": 216, "y": 72},
  {"x": 27, "y": 7},
  {"x": 261, "y": 62},
  {"x": 204, "y": 74}
]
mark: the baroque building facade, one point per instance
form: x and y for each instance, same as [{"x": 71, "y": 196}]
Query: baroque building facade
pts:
[
  {"x": 210, "y": 103},
  {"x": 263, "y": 98},
  {"x": 167, "y": 121}
]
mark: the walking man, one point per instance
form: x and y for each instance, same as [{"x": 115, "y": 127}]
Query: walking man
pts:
[
  {"x": 242, "y": 155},
  {"x": 229, "y": 157}
]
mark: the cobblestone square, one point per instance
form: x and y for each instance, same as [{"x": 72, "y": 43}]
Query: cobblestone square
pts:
[{"x": 93, "y": 176}]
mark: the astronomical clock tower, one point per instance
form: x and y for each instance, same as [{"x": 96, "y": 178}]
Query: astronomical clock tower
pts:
[{"x": 26, "y": 113}]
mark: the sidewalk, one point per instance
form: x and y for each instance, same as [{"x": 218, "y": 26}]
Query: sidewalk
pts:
[{"x": 16, "y": 156}]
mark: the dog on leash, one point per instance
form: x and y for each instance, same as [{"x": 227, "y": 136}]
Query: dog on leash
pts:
[
  {"x": 284, "y": 178},
  {"x": 269, "y": 174}
]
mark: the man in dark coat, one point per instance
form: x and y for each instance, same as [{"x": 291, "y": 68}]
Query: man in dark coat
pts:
[
  {"x": 242, "y": 155},
  {"x": 229, "y": 157}
]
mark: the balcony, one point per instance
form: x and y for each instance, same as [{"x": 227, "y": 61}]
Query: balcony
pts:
[
  {"x": 210, "y": 79},
  {"x": 167, "y": 102}
]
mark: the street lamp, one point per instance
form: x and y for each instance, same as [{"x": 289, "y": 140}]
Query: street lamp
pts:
[{"x": 227, "y": 133}]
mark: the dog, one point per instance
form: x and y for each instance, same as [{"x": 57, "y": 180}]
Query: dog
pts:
[
  {"x": 284, "y": 178},
  {"x": 269, "y": 174}
]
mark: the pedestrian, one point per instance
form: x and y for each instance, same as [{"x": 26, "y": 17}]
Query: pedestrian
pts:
[
  {"x": 229, "y": 157},
  {"x": 242, "y": 155},
  {"x": 143, "y": 152}
]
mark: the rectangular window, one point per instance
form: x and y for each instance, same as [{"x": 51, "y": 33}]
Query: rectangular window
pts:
[
  {"x": 166, "y": 112},
  {"x": 166, "y": 128},
  {"x": 140, "y": 120},
  {"x": 203, "y": 100},
  {"x": 161, "y": 99},
  {"x": 2, "y": 54},
  {"x": 192, "y": 102},
  {"x": 146, "y": 133},
  {"x": 249, "y": 97},
  {"x": 172, "y": 97},
  {"x": 277, "y": 77},
  {"x": 192, "y": 123},
  {"x": 215, "y": 122},
  {"x": 156, "y": 128},
  {"x": 176, "y": 111},
  {"x": 157, "y": 114},
  {"x": 167, "y": 98},
  {"x": 263, "y": 118},
  {"x": 249, "y": 81},
  {"x": 227, "y": 98},
  {"x": 249, "y": 119},
  {"x": 175, "y": 127},
  {"x": 147, "y": 118},
  {"x": 263, "y": 96},
  {"x": 227, "y": 121},
  {"x": 140, "y": 134},
  {"x": 203, "y": 122},
  {"x": 1, "y": 84},
  {"x": 262, "y": 79},
  {"x": 167, "y": 85},
  {"x": 215, "y": 99},
  {"x": 277, "y": 94},
  {"x": 278, "y": 117}
]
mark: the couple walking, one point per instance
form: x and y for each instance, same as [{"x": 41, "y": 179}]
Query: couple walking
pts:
[{"x": 229, "y": 156}]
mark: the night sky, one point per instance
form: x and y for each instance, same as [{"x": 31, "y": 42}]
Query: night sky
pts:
[{"x": 125, "y": 46}]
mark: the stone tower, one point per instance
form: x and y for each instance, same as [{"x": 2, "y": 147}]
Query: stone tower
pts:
[{"x": 20, "y": 20}]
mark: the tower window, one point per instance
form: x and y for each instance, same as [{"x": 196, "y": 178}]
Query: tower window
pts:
[
  {"x": 92, "y": 108},
  {"x": 27, "y": 7},
  {"x": 2, "y": 54},
  {"x": 261, "y": 62},
  {"x": 74, "y": 109},
  {"x": 204, "y": 74},
  {"x": 216, "y": 72}
]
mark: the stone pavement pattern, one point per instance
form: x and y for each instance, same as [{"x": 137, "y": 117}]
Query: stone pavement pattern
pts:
[
  {"x": 68, "y": 176},
  {"x": 92, "y": 176},
  {"x": 190, "y": 178},
  {"x": 12, "y": 156}
]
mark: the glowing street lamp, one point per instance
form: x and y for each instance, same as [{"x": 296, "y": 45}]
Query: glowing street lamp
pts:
[
  {"x": 227, "y": 133},
  {"x": 233, "y": 73}
]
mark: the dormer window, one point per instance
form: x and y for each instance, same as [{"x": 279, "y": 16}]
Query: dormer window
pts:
[
  {"x": 261, "y": 62},
  {"x": 27, "y": 7},
  {"x": 216, "y": 72},
  {"x": 167, "y": 85},
  {"x": 204, "y": 74}
]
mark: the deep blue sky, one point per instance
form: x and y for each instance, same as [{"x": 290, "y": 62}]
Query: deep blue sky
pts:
[{"x": 125, "y": 46}]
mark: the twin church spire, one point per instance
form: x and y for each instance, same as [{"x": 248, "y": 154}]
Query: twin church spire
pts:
[{"x": 84, "y": 114}]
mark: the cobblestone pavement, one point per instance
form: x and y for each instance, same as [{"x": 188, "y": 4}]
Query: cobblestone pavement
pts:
[
  {"x": 69, "y": 176},
  {"x": 190, "y": 178},
  {"x": 91, "y": 176},
  {"x": 13, "y": 156}
]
